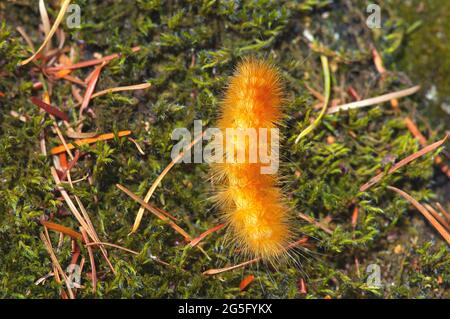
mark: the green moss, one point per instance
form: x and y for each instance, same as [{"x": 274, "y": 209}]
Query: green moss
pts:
[{"x": 188, "y": 52}]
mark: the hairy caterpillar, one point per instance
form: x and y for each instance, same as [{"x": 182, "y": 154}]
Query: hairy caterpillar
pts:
[{"x": 251, "y": 202}]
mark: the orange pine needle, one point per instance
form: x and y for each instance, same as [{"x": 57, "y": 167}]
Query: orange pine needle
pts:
[
  {"x": 245, "y": 282},
  {"x": 62, "y": 229},
  {"x": 103, "y": 137}
]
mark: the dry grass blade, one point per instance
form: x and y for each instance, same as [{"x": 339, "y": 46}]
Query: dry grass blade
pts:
[
  {"x": 91, "y": 260},
  {"x": 132, "y": 140},
  {"x": 155, "y": 184},
  {"x": 374, "y": 100},
  {"x": 402, "y": 163},
  {"x": 55, "y": 26},
  {"x": 45, "y": 22},
  {"x": 56, "y": 263},
  {"x": 197, "y": 240},
  {"x": 113, "y": 245},
  {"x": 86, "y": 224},
  {"x": 155, "y": 212},
  {"x": 122, "y": 89},
  {"x": 424, "y": 212},
  {"x": 27, "y": 39}
]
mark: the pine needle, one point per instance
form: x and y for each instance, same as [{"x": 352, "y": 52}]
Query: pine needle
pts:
[
  {"x": 374, "y": 100},
  {"x": 424, "y": 212},
  {"x": 103, "y": 137},
  {"x": 402, "y": 163},
  {"x": 55, "y": 26},
  {"x": 158, "y": 180}
]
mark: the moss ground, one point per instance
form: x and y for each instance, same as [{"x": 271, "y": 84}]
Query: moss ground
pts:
[{"x": 188, "y": 50}]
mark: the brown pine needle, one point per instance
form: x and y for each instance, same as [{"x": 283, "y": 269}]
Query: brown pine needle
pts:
[
  {"x": 50, "y": 109},
  {"x": 402, "y": 163},
  {"x": 412, "y": 127},
  {"x": 56, "y": 263},
  {"x": 424, "y": 212},
  {"x": 443, "y": 211},
  {"x": 155, "y": 212},
  {"x": 158, "y": 180},
  {"x": 47, "y": 39},
  {"x": 221, "y": 270},
  {"x": 91, "y": 260},
  {"x": 197, "y": 240},
  {"x": 103, "y": 137},
  {"x": 80, "y": 216},
  {"x": 91, "y": 87},
  {"x": 249, "y": 262},
  {"x": 311, "y": 220},
  {"x": 374, "y": 100},
  {"x": 88, "y": 63},
  {"x": 63, "y": 229},
  {"x": 438, "y": 217}
]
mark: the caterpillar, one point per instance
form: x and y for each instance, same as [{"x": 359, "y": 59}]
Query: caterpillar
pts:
[{"x": 251, "y": 202}]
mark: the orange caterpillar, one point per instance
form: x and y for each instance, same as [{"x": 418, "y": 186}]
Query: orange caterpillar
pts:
[{"x": 251, "y": 202}]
